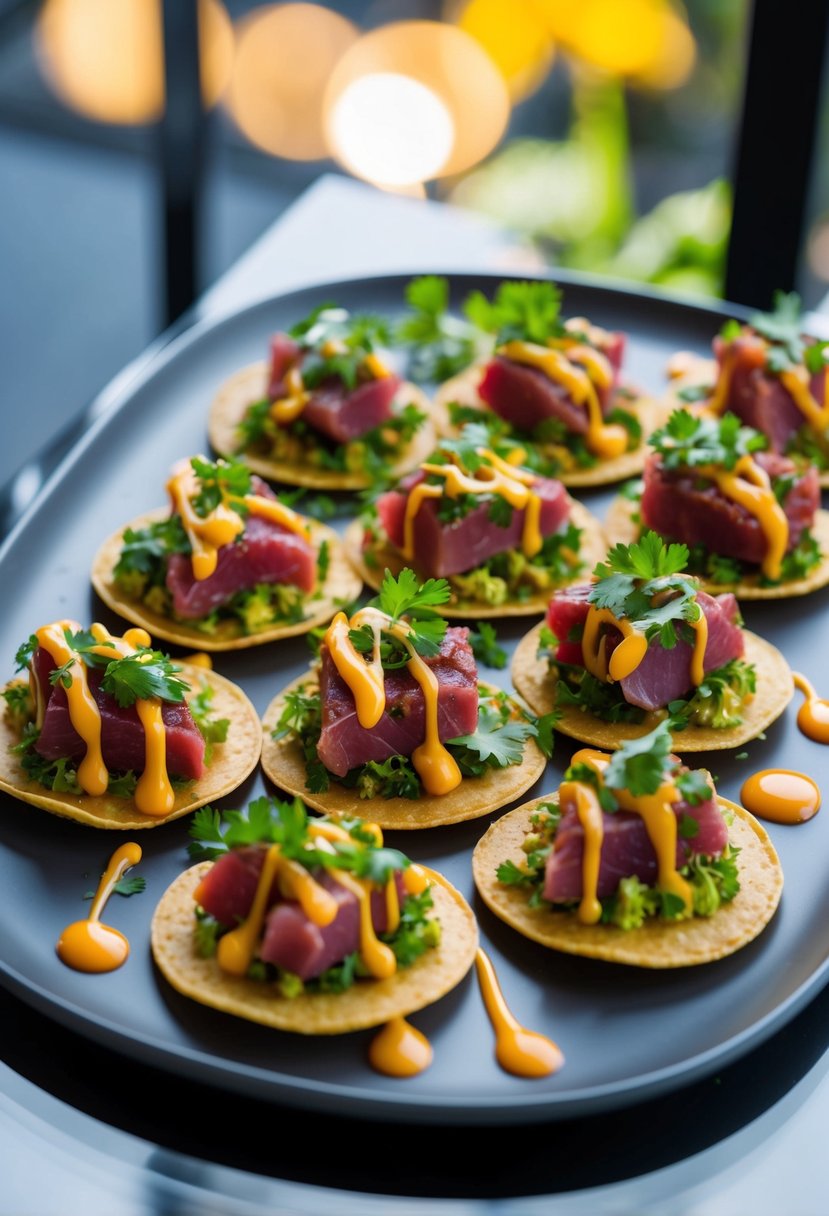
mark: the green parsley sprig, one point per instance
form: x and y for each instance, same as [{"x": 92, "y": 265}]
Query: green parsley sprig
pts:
[
  {"x": 519, "y": 311},
  {"x": 357, "y": 334},
  {"x": 643, "y": 583},
  {"x": 688, "y": 441},
  {"x": 218, "y": 480},
  {"x": 440, "y": 344}
]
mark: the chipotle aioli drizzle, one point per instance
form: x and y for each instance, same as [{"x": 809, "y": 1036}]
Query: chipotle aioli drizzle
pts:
[
  {"x": 576, "y": 368},
  {"x": 207, "y": 534},
  {"x": 494, "y": 476},
  {"x": 796, "y": 381},
  {"x": 781, "y": 795},
  {"x": 400, "y": 1050},
  {"x": 813, "y": 715},
  {"x": 632, "y": 649},
  {"x": 434, "y": 765},
  {"x": 288, "y": 408},
  {"x": 154, "y": 794},
  {"x": 88, "y": 945},
  {"x": 522, "y": 1052},
  {"x": 236, "y": 949}
]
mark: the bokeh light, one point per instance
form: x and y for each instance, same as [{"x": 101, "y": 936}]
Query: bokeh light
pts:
[
  {"x": 648, "y": 41},
  {"x": 391, "y": 130},
  {"x": 446, "y": 62},
  {"x": 284, "y": 57},
  {"x": 515, "y": 37},
  {"x": 104, "y": 58}
]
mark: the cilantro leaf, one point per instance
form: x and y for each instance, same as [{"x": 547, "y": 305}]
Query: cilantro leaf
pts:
[
  {"x": 642, "y": 765},
  {"x": 494, "y": 741},
  {"x": 523, "y": 311},
  {"x": 218, "y": 480},
  {"x": 440, "y": 344},
  {"x": 647, "y": 558},
  {"x": 688, "y": 441},
  {"x": 145, "y": 674},
  {"x": 484, "y": 642}
]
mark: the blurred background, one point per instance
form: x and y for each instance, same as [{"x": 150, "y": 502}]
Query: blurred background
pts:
[{"x": 601, "y": 131}]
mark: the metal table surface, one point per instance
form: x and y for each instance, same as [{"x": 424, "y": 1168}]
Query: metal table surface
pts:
[{"x": 83, "y": 1130}]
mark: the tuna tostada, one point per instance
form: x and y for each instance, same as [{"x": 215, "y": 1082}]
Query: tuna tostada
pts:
[
  {"x": 635, "y": 859},
  {"x": 309, "y": 925},
  {"x": 475, "y": 514},
  {"x": 326, "y": 411},
  {"x": 751, "y": 518},
  {"x": 554, "y": 385},
  {"x": 392, "y": 720},
  {"x": 770, "y": 374},
  {"x": 643, "y": 642},
  {"x": 110, "y": 732},
  {"x": 227, "y": 565}
]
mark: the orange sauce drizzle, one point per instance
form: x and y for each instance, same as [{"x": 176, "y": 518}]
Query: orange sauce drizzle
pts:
[
  {"x": 796, "y": 381},
  {"x": 89, "y": 945},
  {"x": 632, "y": 649},
  {"x": 750, "y": 485},
  {"x": 400, "y": 1050},
  {"x": 571, "y": 370},
  {"x": 236, "y": 949},
  {"x": 208, "y": 534},
  {"x": 660, "y": 823},
  {"x": 154, "y": 794},
  {"x": 287, "y": 409},
  {"x": 494, "y": 476},
  {"x": 813, "y": 715},
  {"x": 434, "y": 765},
  {"x": 781, "y": 796},
  {"x": 522, "y": 1052}
]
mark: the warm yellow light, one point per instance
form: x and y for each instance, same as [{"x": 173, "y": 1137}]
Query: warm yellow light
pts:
[
  {"x": 284, "y": 57},
  {"x": 391, "y": 130},
  {"x": 105, "y": 59},
  {"x": 515, "y": 37},
  {"x": 676, "y": 59},
  {"x": 647, "y": 40},
  {"x": 451, "y": 66}
]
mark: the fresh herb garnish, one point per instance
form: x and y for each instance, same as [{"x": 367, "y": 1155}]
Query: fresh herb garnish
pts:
[
  {"x": 484, "y": 642},
  {"x": 519, "y": 311},
  {"x": 688, "y": 441},
  {"x": 217, "y": 481},
  {"x": 440, "y": 344}
]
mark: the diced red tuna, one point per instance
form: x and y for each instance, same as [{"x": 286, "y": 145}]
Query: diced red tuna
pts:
[
  {"x": 332, "y": 410},
  {"x": 678, "y": 505},
  {"x": 441, "y": 549},
  {"x": 626, "y": 849},
  {"x": 663, "y": 675},
  {"x": 344, "y": 743},
  {"x": 264, "y": 553},
  {"x": 525, "y": 396},
  {"x": 566, "y": 615},
  {"x": 122, "y": 733},
  {"x": 290, "y": 940},
  {"x": 757, "y": 396}
]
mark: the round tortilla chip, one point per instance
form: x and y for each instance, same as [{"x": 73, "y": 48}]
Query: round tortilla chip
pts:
[
  {"x": 248, "y": 385},
  {"x": 622, "y": 529},
  {"x": 699, "y": 372},
  {"x": 656, "y": 944},
  {"x": 341, "y": 585},
  {"x": 593, "y": 549},
  {"x": 368, "y": 1002},
  {"x": 233, "y": 761},
  {"x": 284, "y": 764},
  {"x": 650, "y": 412},
  {"x": 532, "y": 677}
]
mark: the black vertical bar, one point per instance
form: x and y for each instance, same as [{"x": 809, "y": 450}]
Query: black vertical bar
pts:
[
  {"x": 181, "y": 156},
  {"x": 786, "y": 52}
]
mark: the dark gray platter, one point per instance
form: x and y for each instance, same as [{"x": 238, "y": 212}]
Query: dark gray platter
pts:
[{"x": 626, "y": 1034}]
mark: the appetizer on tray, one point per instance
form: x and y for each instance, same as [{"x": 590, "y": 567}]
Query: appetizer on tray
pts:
[
  {"x": 309, "y": 925},
  {"x": 643, "y": 642},
  {"x": 636, "y": 859},
  {"x": 110, "y": 732},
  {"x": 502, "y": 536},
  {"x": 326, "y": 411},
  {"x": 393, "y": 722},
  {"x": 751, "y": 518},
  {"x": 771, "y": 375},
  {"x": 226, "y": 565},
  {"x": 554, "y": 385}
]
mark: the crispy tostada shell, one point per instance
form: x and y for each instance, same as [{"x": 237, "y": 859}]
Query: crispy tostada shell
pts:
[
  {"x": 533, "y": 679},
  {"x": 248, "y": 385},
  {"x": 368, "y": 1002},
  {"x": 284, "y": 764},
  {"x": 657, "y": 943},
  {"x": 232, "y": 762},
  {"x": 593, "y": 549},
  {"x": 341, "y": 585}
]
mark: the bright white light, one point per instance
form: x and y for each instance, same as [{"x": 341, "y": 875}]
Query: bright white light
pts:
[{"x": 391, "y": 130}]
